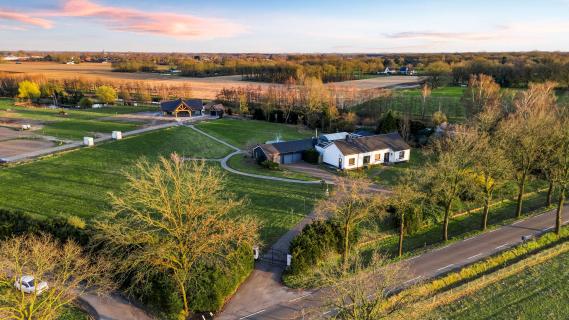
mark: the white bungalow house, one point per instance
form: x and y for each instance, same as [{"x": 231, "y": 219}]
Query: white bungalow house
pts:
[{"x": 356, "y": 152}]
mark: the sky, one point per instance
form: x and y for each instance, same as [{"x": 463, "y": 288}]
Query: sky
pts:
[{"x": 291, "y": 26}]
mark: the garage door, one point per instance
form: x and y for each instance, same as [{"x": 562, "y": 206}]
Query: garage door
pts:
[{"x": 292, "y": 157}]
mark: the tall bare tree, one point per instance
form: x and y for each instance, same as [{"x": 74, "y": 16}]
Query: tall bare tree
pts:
[
  {"x": 482, "y": 93},
  {"x": 350, "y": 203},
  {"x": 447, "y": 176},
  {"x": 521, "y": 133},
  {"x": 315, "y": 98},
  {"x": 172, "y": 217},
  {"x": 363, "y": 293},
  {"x": 425, "y": 94},
  {"x": 491, "y": 168},
  {"x": 404, "y": 201},
  {"x": 68, "y": 270},
  {"x": 560, "y": 163}
]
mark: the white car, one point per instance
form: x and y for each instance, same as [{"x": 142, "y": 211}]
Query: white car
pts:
[{"x": 27, "y": 284}]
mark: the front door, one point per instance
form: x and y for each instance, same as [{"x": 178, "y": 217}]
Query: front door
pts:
[
  {"x": 366, "y": 160},
  {"x": 386, "y": 158}
]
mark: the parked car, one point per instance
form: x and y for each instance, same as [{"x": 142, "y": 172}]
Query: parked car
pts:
[{"x": 27, "y": 284}]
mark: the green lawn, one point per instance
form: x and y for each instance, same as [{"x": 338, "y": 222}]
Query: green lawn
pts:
[
  {"x": 278, "y": 206},
  {"x": 389, "y": 175},
  {"x": 539, "y": 292},
  {"x": 77, "y": 124},
  {"x": 241, "y": 133},
  {"x": 245, "y": 163},
  {"x": 78, "y": 182}
]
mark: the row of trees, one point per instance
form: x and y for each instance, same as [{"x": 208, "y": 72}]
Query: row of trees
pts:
[
  {"x": 174, "y": 220},
  {"x": 509, "y": 69},
  {"x": 31, "y": 91},
  {"x": 71, "y": 91},
  {"x": 310, "y": 102},
  {"x": 500, "y": 143}
]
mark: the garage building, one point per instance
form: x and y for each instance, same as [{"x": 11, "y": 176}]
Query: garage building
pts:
[{"x": 283, "y": 152}]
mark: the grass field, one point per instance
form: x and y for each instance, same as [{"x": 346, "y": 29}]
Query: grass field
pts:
[
  {"x": 77, "y": 124},
  {"x": 409, "y": 101},
  {"x": 539, "y": 292},
  {"x": 241, "y": 133},
  {"x": 78, "y": 182}
]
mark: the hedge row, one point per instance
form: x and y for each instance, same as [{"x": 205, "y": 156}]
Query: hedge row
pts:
[
  {"x": 207, "y": 293},
  {"x": 313, "y": 243}
]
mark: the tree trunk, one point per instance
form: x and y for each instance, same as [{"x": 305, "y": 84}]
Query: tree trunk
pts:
[
  {"x": 521, "y": 191},
  {"x": 549, "y": 194},
  {"x": 447, "y": 217},
  {"x": 401, "y": 234},
  {"x": 346, "y": 245},
  {"x": 559, "y": 211},
  {"x": 486, "y": 211},
  {"x": 182, "y": 289}
]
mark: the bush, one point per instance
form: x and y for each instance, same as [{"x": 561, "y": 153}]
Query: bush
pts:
[
  {"x": 388, "y": 123},
  {"x": 439, "y": 118},
  {"x": 207, "y": 293},
  {"x": 311, "y": 246},
  {"x": 311, "y": 156},
  {"x": 85, "y": 103},
  {"x": 270, "y": 165},
  {"x": 16, "y": 223}
]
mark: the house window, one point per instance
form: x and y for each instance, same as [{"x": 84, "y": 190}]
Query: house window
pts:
[
  {"x": 377, "y": 157},
  {"x": 401, "y": 155},
  {"x": 351, "y": 161}
]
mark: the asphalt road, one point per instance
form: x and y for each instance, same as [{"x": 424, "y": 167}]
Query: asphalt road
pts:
[{"x": 427, "y": 265}]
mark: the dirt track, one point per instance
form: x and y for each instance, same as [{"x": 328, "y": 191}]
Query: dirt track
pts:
[{"x": 15, "y": 147}]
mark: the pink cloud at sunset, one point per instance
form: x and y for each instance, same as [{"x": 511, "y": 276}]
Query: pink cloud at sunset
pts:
[
  {"x": 128, "y": 20},
  {"x": 24, "y": 19},
  {"x": 159, "y": 23}
]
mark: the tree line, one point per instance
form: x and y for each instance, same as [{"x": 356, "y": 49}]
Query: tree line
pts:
[
  {"x": 311, "y": 103},
  {"x": 71, "y": 91}
]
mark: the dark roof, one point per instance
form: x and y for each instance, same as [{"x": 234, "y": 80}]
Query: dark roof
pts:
[
  {"x": 172, "y": 105},
  {"x": 392, "y": 141},
  {"x": 288, "y": 146},
  {"x": 214, "y": 107}
]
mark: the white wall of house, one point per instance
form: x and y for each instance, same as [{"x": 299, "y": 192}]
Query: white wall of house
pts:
[{"x": 332, "y": 155}]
